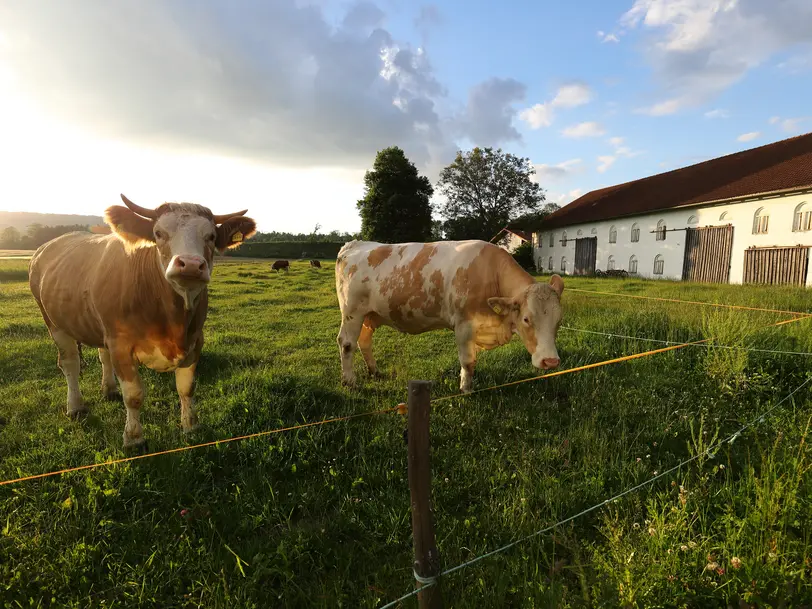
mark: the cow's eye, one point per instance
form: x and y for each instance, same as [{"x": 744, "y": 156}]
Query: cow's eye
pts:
[
  {"x": 210, "y": 237},
  {"x": 527, "y": 321},
  {"x": 160, "y": 234}
]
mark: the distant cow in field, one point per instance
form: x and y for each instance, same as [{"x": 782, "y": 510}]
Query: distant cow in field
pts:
[
  {"x": 280, "y": 264},
  {"x": 474, "y": 288},
  {"x": 138, "y": 294},
  {"x": 315, "y": 264}
]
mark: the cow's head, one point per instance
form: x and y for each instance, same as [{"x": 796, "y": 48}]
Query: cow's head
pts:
[
  {"x": 535, "y": 315},
  {"x": 185, "y": 236}
]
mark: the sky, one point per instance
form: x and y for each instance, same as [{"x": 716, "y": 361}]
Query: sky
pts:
[{"x": 280, "y": 106}]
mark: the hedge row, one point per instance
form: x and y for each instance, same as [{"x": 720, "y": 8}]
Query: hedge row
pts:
[{"x": 287, "y": 249}]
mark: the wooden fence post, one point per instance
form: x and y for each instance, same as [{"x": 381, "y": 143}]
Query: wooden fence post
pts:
[{"x": 426, "y": 556}]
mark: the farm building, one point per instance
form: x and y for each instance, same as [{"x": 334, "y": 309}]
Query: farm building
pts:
[
  {"x": 741, "y": 218},
  {"x": 510, "y": 238}
]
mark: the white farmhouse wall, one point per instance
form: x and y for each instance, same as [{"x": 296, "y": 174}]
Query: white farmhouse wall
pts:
[
  {"x": 510, "y": 242},
  {"x": 781, "y": 210}
]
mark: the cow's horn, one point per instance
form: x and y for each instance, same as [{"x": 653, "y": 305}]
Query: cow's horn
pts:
[
  {"x": 141, "y": 211},
  {"x": 224, "y": 217}
]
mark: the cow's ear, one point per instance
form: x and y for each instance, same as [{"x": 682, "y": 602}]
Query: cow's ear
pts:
[
  {"x": 502, "y": 306},
  {"x": 557, "y": 284},
  {"x": 128, "y": 226},
  {"x": 233, "y": 232}
]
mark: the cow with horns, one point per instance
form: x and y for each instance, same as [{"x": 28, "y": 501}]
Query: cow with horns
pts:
[{"x": 139, "y": 294}]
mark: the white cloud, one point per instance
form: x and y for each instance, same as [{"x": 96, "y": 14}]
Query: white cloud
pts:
[
  {"x": 774, "y": 120},
  {"x": 607, "y": 37},
  {"x": 670, "y": 106},
  {"x": 605, "y": 162},
  {"x": 698, "y": 48},
  {"x": 616, "y": 141},
  {"x": 575, "y": 193},
  {"x": 570, "y": 95},
  {"x": 562, "y": 198},
  {"x": 748, "y": 137},
  {"x": 550, "y": 173},
  {"x": 793, "y": 125},
  {"x": 540, "y": 115},
  {"x": 586, "y": 129},
  {"x": 718, "y": 113}
]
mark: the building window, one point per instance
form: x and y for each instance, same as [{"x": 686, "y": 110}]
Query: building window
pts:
[
  {"x": 633, "y": 264},
  {"x": 635, "y": 232},
  {"x": 610, "y": 265},
  {"x": 613, "y": 235},
  {"x": 594, "y": 231},
  {"x": 550, "y": 264},
  {"x": 761, "y": 221},
  {"x": 661, "y": 230},
  {"x": 725, "y": 216},
  {"x": 658, "y": 264},
  {"x": 693, "y": 220},
  {"x": 563, "y": 264},
  {"x": 552, "y": 239},
  {"x": 580, "y": 232},
  {"x": 564, "y": 239},
  {"x": 803, "y": 219}
]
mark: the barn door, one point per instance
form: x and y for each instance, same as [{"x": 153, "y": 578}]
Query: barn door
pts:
[
  {"x": 776, "y": 265},
  {"x": 707, "y": 254},
  {"x": 586, "y": 252}
]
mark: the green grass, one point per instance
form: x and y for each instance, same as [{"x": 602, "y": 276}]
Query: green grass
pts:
[{"x": 320, "y": 517}]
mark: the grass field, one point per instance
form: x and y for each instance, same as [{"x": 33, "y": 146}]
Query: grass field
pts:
[{"x": 320, "y": 517}]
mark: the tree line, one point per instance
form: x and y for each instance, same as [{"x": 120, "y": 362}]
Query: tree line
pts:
[
  {"x": 484, "y": 190},
  {"x": 35, "y": 235}
]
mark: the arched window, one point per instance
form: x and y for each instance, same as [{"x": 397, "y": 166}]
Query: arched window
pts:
[
  {"x": 594, "y": 231},
  {"x": 552, "y": 239},
  {"x": 610, "y": 265},
  {"x": 563, "y": 264},
  {"x": 761, "y": 221},
  {"x": 635, "y": 232},
  {"x": 580, "y": 232},
  {"x": 633, "y": 264},
  {"x": 613, "y": 235},
  {"x": 550, "y": 264},
  {"x": 802, "y": 219},
  {"x": 564, "y": 239},
  {"x": 725, "y": 216},
  {"x": 693, "y": 220},
  {"x": 661, "y": 230},
  {"x": 659, "y": 263}
]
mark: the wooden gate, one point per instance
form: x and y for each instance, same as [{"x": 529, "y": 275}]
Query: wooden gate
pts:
[
  {"x": 776, "y": 265},
  {"x": 707, "y": 254},
  {"x": 586, "y": 252}
]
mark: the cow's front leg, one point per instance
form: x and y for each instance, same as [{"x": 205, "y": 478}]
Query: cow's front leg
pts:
[
  {"x": 132, "y": 389},
  {"x": 347, "y": 341},
  {"x": 185, "y": 383},
  {"x": 109, "y": 389},
  {"x": 466, "y": 348}
]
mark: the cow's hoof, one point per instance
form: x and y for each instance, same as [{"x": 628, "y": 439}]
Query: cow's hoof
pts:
[
  {"x": 136, "y": 447},
  {"x": 349, "y": 383},
  {"x": 376, "y": 374},
  {"x": 191, "y": 428},
  {"x": 78, "y": 412},
  {"x": 114, "y": 395}
]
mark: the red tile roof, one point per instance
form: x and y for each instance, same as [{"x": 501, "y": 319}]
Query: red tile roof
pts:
[{"x": 784, "y": 165}]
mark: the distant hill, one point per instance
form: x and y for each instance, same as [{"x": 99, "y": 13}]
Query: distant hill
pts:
[{"x": 22, "y": 219}]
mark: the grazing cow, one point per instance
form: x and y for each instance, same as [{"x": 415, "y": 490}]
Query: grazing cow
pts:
[
  {"x": 315, "y": 264},
  {"x": 139, "y": 294},
  {"x": 280, "y": 264},
  {"x": 472, "y": 287}
]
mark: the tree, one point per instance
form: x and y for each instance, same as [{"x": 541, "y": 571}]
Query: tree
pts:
[
  {"x": 486, "y": 189},
  {"x": 396, "y": 206},
  {"x": 9, "y": 238}
]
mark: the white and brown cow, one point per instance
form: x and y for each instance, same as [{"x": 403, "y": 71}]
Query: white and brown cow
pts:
[
  {"x": 472, "y": 287},
  {"x": 138, "y": 294}
]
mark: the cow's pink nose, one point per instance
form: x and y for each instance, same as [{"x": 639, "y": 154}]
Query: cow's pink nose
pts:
[
  {"x": 189, "y": 267},
  {"x": 550, "y": 363}
]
